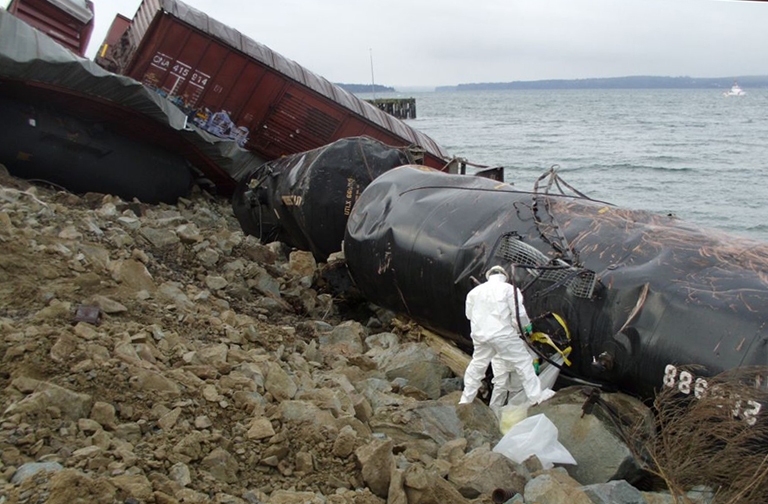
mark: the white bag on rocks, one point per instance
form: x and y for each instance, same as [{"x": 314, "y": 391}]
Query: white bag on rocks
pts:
[{"x": 536, "y": 435}]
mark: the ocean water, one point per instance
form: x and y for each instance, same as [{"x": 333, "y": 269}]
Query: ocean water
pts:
[{"x": 692, "y": 153}]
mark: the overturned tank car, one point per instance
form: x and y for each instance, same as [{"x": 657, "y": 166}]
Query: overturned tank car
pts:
[
  {"x": 627, "y": 297},
  {"x": 304, "y": 199}
]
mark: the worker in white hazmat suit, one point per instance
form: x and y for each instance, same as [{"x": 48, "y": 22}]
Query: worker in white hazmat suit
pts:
[{"x": 490, "y": 308}]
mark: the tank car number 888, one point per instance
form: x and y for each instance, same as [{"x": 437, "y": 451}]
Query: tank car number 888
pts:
[{"x": 686, "y": 382}]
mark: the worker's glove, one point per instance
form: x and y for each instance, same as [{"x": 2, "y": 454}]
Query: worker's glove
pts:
[{"x": 528, "y": 329}]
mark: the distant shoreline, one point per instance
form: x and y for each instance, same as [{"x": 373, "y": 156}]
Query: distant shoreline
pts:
[{"x": 634, "y": 82}]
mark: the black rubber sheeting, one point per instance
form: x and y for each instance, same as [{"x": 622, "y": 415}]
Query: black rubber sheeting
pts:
[
  {"x": 638, "y": 291},
  {"x": 304, "y": 200}
]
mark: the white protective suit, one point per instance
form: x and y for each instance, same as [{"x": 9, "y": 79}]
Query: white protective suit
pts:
[{"x": 490, "y": 308}]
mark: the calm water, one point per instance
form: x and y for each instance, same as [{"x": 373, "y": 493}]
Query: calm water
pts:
[{"x": 693, "y": 153}]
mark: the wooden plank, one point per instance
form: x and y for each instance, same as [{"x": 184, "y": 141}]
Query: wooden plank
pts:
[{"x": 449, "y": 354}]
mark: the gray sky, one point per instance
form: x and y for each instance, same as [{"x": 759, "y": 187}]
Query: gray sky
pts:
[{"x": 448, "y": 42}]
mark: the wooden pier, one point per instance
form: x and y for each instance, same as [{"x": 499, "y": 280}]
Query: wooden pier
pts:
[{"x": 402, "y": 108}]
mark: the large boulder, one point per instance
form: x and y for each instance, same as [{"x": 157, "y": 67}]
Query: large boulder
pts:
[
  {"x": 288, "y": 497},
  {"x": 221, "y": 465},
  {"x": 73, "y": 405},
  {"x": 555, "y": 487},
  {"x": 377, "y": 465},
  {"x": 279, "y": 383},
  {"x": 614, "y": 492},
  {"x": 478, "y": 420},
  {"x": 346, "y": 338},
  {"x": 593, "y": 439},
  {"x": 29, "y": 469},
  {"x": 415, "y": 362},
  {"x": 427, "y": 487},
  {"x": 482, "y": 471},
  {"x": 433, "y": 421},
  {"x": 304, "y": 412}
]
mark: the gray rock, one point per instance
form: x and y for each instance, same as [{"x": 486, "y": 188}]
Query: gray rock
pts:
[
  {"x": 171, "y": 292},
  {"x": 254, "y": 372},
  {"x": 29, "y": 469},
  {"x": 260, "y": 428},
  {"x": 482, "y": 471},
  {"x": 328, "y": 399},
  {"x": 659, "y": 498},
  {"x": 215, "y": 282},
  {"x": 449, "y": 385},
  {"x": 272, "y": 305},
  {"x": 599, "y": 450},
  {"x": 96, "y": 256},
  {"x": 555, "y": 487},
  {"x": 159, "y": 237},
  {"x": 302, "y": 263},
  {"x": 415, "y": 362},
  {"x": 289, "y": 497},
  {"x": 134, "y": 275},
  {"x": 179, "y": 473},
  {"x": 134, "y": 485},
  {"x": 108, "y": 305},
  {"x": 150, "y": 381},
  {"x": 258, "y": 252},
  {"x": 189, "y": 233},
  {"x": 221, "y": 465},
  {"x": 422, "y": 420},
  {"x": 130, "y": 432},
  {"x": 377, "y": 464},
  {"x": 427, "y": 487},
  {"x": 479, "y": 422},
  {"x": 344, "y": 444},
  {"x": 208, "y": 257},
  {"x": 346, "y": 338},
  {"x": 382, "y": 340},
  {"x": 279, "y": 384},
  {"x": 104, "y": 413},
  {"x": 213, "y": 354},
  {"x": 614, "y": 492},
  {"x": 305, "y": 412},
  {"x": 396, "y": 488},
  {"x": 264, "y": 283},
  {"x": 701, "y": 494},
  {"x": 72, "y": 405}
]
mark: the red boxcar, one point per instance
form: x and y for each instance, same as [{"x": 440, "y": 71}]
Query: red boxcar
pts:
[
  {"x": 114, "y": 36},
  {"x": 235, "y": 87},
  {"x": 68, "y": 22}
]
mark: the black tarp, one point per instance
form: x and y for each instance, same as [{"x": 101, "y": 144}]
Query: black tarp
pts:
[
  {"x": 640, "y": 293},
  {"x": 40, "y": 143},
  {"x": 28, "y": 57},
  {"x": 304, "y": 200}
]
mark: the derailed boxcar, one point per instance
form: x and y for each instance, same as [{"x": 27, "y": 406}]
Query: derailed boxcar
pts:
[
  {"x": 71, "y": 123},
  {"x": 68, "y": 22},
  {"x": 304, "y": 200},
  {"x": 640, "y": 294},
  {"x": 235, "y": 87}
]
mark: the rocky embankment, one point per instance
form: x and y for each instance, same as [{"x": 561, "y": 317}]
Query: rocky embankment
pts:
[{"x": 216, "y": 372}]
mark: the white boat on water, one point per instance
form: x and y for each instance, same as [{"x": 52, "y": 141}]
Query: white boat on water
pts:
[{"x": 735, "y": 91}]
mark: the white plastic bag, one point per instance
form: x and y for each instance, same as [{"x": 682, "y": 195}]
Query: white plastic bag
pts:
[{"x": 535, "y": 435}]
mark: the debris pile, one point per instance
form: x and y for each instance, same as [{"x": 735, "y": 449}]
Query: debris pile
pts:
[{"x": 153, "y": 353}]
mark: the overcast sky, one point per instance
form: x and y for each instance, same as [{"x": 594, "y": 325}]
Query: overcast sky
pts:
[{"x": 448, "y": 42}]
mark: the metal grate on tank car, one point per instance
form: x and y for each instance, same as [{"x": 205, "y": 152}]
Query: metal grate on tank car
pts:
[
  {"x": 511, "y": 249},
  {"x": 578, "y": 281}
]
